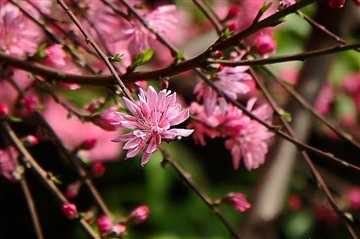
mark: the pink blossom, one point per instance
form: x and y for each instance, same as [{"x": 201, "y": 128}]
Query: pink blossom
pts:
[
  {"x": 4, "y": 110},
  {"x": 64, "y": 127},
  {"x": 7, "y": 164},
  {"x": 204, "y": 125},
  {"x": 162, "y": 20},
  {"x": 231, "y": 81},
  {"x": 248, "y": 138},
  {"x": 19, "y": 36},
  {"x": 237, "y": 201},
  {"x": 150, "y": 121},
  {"x": 139, "y": 214},
  {"x": 351, "y": 85},
  {"x": 324, "y": 99},
  {"x": 69, "y": 210}
]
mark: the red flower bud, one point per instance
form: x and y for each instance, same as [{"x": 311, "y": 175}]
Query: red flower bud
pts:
[
  {"x": 88, "y": 144},
  {"x": 104, "y": 224},
  {"x": 336, "y": 3},
  {"x": 237, "y": 201},
  {"x": 69, "y": 210},
  {"x": 98, "y": 169},
  {"x": 4, "y": 110},
  {"x": 233, "y": 11}
]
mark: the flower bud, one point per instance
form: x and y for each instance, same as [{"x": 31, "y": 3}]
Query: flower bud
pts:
[
  {"x": 98, "y": 169},
  {"x": 336, "y": 3},
  {"x": 218, "y": 54},
  {"x": 353, "y": 197},
  {"x": 4, "y": 110},
  {"x": 233, "y": 26},
  {"x": 233, "y": 11},
  {"x": 73, "y": 190},
  {"x": 264, "y": 44},
  {"x": 104, "y": 224},
  {"x": 69, "y": 210},
  {"x": 88, "y": 144},
  {"x": 30, "y": 103},
  {"x": 107, "y": 118},
  {"x": 139, "y": 214},
  {"x": 30, "y": 140},
  {"x": 237, "y": 201},
  {"x": 119, "y": 229}
]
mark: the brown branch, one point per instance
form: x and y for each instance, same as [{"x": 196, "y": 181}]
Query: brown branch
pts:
[
  {"x": 42, "y": 175},
  {"x": 295, "y": 57}
]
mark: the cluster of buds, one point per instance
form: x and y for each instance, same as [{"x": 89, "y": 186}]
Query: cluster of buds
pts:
[{"x": 106, "y": 226}]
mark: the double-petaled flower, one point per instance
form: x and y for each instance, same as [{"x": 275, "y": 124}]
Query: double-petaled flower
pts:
[{"x": 150, "y": 120}]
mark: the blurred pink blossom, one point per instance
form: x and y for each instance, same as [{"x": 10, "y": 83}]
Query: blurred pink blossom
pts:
[
  {"x": 230, "y": 80},
  {"x": 323, "y": 101},
  {"x": 19, "y": 36},
  {"x": 73, "y": 133},
  {"x": 139, "y": 214},
  {"x": 7, "y": 163},
  {"x": 150, "y": 121},
  {"x": 248, "y": 138}
]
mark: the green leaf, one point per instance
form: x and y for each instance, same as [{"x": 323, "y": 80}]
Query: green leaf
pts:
[
  {"x": 179, "y": 56},
  {"x": 14, "y": 119},
  {"x": 278, "y": 127},
  {"x": 144, "y": 57},
  {"x": 116, "y": 57},
  {"x": 286, "y": 115}
]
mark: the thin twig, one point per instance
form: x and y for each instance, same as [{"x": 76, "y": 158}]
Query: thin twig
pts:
[
  {"x": 318, "y": 178},
  {"x": 42, "y": 175},
  {"x": 90, "y": 41},
  {"x": 209, "y": 202}
]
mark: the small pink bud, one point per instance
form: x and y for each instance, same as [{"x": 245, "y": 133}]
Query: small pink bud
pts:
[
  {"x": 69, "y": 210},
  {"x": 30, "y": 103},
  {"x": 4, "y": 110},
  {"x": 139, "y": 214},
  {"x": 218, "y": 54},
  {"x": 88, "y": 144},
  {"x": 104, "y": 224},
  {"x": 73, "y": 190},
  {"x": 119, "y": 229},
  {"x": 233, "y": 11},
  {"x": 220, "y": 68},
  {"x": 30, "y": 140},
  {"x": 164, "y": 84},
  {"x": 107, "y": 119},
  {"x": 233, "y": 26},
  {"x": 98, "y": 169},
  {"x": 264, "y": 44},
  {"x": 237, "y": 201},
  {"x": 336, "y": 3}
]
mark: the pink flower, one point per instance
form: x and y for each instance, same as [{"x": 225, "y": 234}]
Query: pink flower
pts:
[
  {"x": 162, "y": 20},
  {"x": 7, "y": 164},
  {"x": 231, "y": 81},
  {"x": 19, "y": 36},
  {"x": 65, "y": 127},
  {"x": 119, "y": 229},
  {"x": 69, "y": 210},
  {"x": 248, "y": 138},
  {"x": 150, "y": 121},
  {"x": 237, "y": 201},
  {"x": 106, "y": 119},
  {"x": 139, "y": 214}
]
